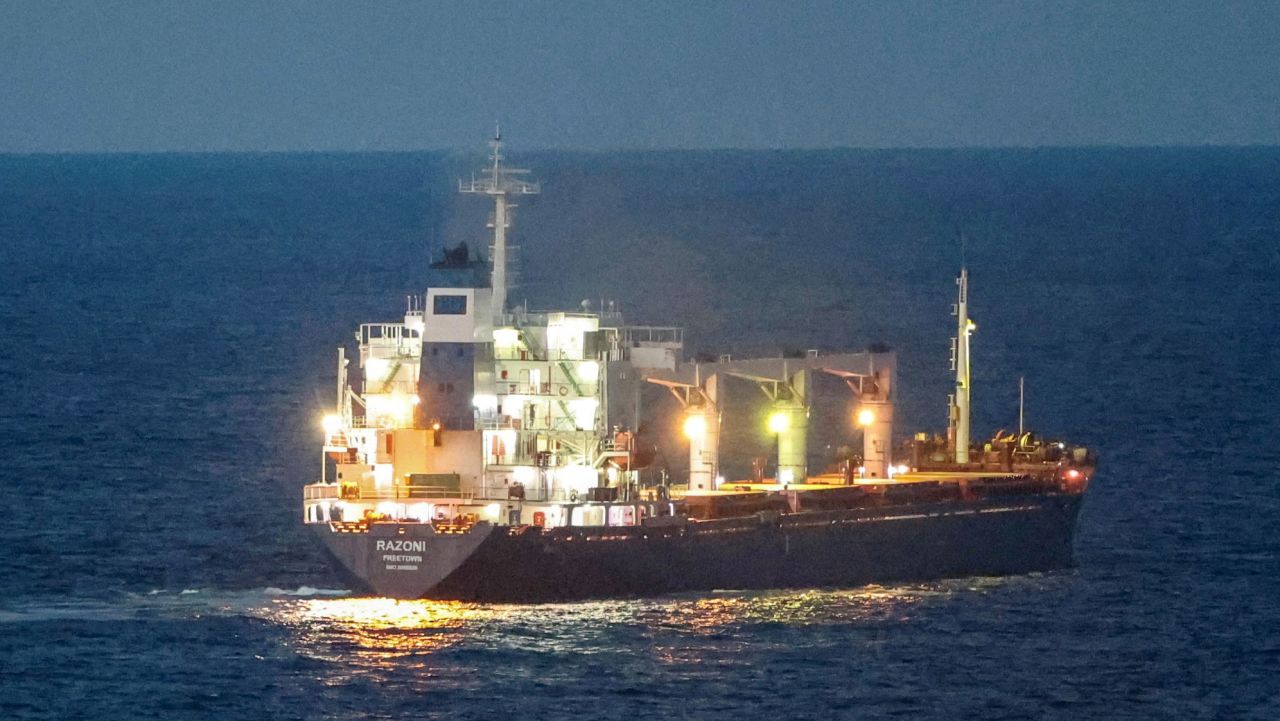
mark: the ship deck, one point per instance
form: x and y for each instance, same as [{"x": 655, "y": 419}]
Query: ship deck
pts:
[{"x": 835, "y": 480}]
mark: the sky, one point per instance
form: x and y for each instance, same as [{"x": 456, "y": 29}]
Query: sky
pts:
[{"x": 100, "y": 76}]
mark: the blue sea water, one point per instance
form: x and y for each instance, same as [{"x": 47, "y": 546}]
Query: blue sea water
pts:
[{"x": 167, "y": 326}]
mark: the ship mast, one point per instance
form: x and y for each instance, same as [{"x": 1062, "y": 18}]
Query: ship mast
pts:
[
  {"x": 498, "y": 181},
  {"x": 960, "y": 362}
]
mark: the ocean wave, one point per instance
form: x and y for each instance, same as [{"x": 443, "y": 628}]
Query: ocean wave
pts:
[
  {"x": 305, "y": 592},
  {"x": 65, "y": 611},
  {"x": 158, "y": 602}
]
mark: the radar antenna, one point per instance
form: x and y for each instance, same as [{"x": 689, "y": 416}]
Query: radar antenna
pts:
[{"x": 499, "y": 181}]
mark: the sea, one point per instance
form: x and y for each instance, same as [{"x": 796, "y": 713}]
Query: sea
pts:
[{"x": 168, "y": 328}]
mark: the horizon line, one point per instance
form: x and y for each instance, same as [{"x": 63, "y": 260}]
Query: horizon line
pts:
[{"x": 645, "y": 150}]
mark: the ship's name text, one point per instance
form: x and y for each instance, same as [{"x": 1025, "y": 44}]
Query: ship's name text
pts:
[{"x": 398, "y": 545}]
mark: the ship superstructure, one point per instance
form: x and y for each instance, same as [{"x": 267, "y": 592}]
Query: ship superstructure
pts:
[
  {"x": 485, "y": 451},
  {"x": 471, "y": 410}
]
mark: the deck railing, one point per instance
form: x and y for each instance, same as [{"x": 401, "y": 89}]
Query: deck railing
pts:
[
  {"x": 320, "y": 491},
  {"x": 333, "y": 491}
]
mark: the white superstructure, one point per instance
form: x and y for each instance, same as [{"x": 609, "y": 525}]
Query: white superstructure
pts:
[{"x": 468, "y": 410}]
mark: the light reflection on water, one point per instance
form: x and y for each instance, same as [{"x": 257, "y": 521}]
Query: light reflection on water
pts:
[
  {"x": 725, "y": 654},
  {"x": 685, "y": 631},
  {"x": 372, "y": 629}
]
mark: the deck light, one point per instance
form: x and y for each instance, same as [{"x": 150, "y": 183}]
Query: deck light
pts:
[
  {"x": 332, "y": 423},
  {"x": 695, "y": 426},
  {"x": 866, "y": 417},
  {"x": 779, "y": 422},
  {"x": 506, "y": 337}
]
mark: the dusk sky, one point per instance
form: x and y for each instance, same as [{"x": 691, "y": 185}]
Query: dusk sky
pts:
[{"x": 162, "y": 76}]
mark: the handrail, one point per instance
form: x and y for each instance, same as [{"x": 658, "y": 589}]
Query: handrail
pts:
[
  {"x": 561, "y": 424},
  {"x": 548, "y": 388},
  {"x": 402, "y": 493},
  {"x": 519, "y": 354},
  {"x": 652, "y": 334},
  {"x": 333, "y": 491},
  {"x": 320, "y": 491}
]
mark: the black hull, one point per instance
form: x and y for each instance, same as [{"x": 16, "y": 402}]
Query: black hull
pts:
[{"x": 827, "y": 548}]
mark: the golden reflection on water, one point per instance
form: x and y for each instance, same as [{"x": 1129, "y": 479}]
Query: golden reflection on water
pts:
[
  {"x": 722, "y": 632},
  {"x": 713, "y": 614},
  {"x": 382, "y": 613},
  {"x": 378, "y": 633},
  {"x": 373, "y": 630}
]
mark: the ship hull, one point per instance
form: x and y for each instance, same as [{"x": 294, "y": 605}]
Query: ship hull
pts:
[{"x": 807, "y": 549}]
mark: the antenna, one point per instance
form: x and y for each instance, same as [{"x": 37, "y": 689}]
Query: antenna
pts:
[
  {"x": 498, "y": 181},
  {"x": 1021, "y": 401}
]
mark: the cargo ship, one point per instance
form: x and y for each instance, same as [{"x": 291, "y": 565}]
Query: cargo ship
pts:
[{"x": 481, "y": 451}]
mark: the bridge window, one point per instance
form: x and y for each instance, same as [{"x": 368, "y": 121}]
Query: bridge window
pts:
[{"x": 450, "y": 305}]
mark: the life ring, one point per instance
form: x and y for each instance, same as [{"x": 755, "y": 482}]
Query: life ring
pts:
[
  {"x": 564, "y": 391},
  {"x": 573, "y": 496}
]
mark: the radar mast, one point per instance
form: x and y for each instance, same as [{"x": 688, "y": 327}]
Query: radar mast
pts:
[{"x": 499, "y": 181}]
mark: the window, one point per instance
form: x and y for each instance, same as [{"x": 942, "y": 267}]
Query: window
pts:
[{"x": 450, "y": 305}]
